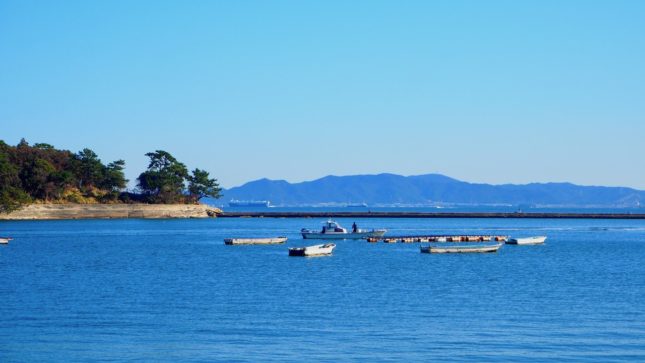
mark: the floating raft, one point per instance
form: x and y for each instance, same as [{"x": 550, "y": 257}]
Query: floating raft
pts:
[
  {"x": 255, "y": 241},
  {"x": 440, "y": 238}
]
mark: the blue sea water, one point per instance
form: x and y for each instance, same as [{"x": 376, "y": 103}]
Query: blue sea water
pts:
[
  {"x": 430, "y": 209},
  {"x": 170, "y": 290}
]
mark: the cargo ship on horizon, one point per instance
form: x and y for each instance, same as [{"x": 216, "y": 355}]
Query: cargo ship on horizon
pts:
[{"x": 249, "y": 203}]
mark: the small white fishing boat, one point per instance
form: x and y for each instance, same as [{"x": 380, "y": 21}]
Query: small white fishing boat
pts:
[
  {"x": 5, "y": 240},
  {"x": 461, "y": 248},
  {"x": 255, "y": 241},
  {"x": 317, "y": 250},
  {"x": 527, "y": 240},
  {"x": 333, "y": 230}
]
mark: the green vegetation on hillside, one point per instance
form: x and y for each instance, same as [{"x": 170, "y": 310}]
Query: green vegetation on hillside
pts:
[
  {"x": 42, "y": 173},
  {"x": 166, "y": 177}
]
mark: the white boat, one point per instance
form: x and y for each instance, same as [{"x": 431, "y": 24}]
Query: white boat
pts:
[
  {"x": 5, "y": 240},
  {"x": 356, "y": 205},
  {"x": 317, "y": 250},
  {"x": 255, "y": 241},
  {"x": 333, "y": 230},
  {"x": 249, "y": 203},
  {"x": 461, "y": 249},
  {"x": 527, "y": 240}
]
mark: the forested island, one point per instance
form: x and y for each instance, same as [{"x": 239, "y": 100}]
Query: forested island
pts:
[{"x": 40, "y": 173}]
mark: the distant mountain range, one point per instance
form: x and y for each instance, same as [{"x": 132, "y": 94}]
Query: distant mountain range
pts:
[{"x": 429, "y": 189}]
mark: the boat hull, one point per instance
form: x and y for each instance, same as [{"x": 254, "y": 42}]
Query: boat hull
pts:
[
  {"x": 527, "y": 241},
  {"x": 310, "y": 251},
  {"x": 460, "y": 249},
  {"x": 358, "y": 235},
  {"x": 255, "y": 241}
]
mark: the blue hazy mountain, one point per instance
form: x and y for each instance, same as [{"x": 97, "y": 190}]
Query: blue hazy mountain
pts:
[{"x": 429, "y": 189}]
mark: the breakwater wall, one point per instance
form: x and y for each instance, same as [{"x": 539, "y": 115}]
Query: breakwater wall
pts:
[
  {"x": 108, "y": 211},
  {"x": 430, "y": 215}
]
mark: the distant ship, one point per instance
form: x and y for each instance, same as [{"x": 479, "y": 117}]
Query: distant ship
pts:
[
  {"x": 249, "y": 203},
  {"x": 356, "y": 205}
]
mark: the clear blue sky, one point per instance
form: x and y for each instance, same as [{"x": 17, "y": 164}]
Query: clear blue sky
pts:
[{"x": 483, "y": 91}]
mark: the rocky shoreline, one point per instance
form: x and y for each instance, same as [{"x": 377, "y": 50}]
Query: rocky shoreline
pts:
[{"x": 111, "y": 211}]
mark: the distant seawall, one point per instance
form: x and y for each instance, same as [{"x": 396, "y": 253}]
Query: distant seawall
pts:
[
  {"x": 430, "y": 215},
  {"x": 109, "y": 211},
  {"x": 159, "y": 211}
]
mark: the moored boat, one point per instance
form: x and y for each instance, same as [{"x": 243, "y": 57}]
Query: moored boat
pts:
[
  {"x": 536, "y": 240},
  {"x": 333, "y": 230},
  {"x": 255, "y": 241},
  {"x": 5, "y": 240},
  {"x": 316, "y": 250},
  {"x": 461, "y": 248}
]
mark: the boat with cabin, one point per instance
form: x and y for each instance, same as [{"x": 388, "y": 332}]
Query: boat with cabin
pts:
[
  {"x": 333, "y": 230},
  {"x": 5, "y": 240},
  {"x": 255, "y": 241},
  {"x": 536, "y": 240},
  {"x": 461, "y": 248},
  {"x": 316, "y": 250}
]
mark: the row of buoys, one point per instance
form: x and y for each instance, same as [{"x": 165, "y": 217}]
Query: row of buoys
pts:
[{"x": 418, "y": 239}]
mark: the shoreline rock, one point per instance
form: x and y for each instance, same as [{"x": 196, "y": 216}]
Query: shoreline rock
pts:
[{"x": 111, "y": 211}]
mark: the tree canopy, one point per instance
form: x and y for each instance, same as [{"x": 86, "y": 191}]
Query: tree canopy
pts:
[
  {"x": 42, "y": 173},
  {"x": 166, "y": 178},
  {"x": 200, "y": 185}
]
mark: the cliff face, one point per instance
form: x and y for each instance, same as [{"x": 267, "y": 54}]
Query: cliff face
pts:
[{"x": 106, "y": 211}]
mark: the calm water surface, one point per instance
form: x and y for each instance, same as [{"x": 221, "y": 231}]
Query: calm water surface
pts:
[{"x": 170, "y": 290}]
